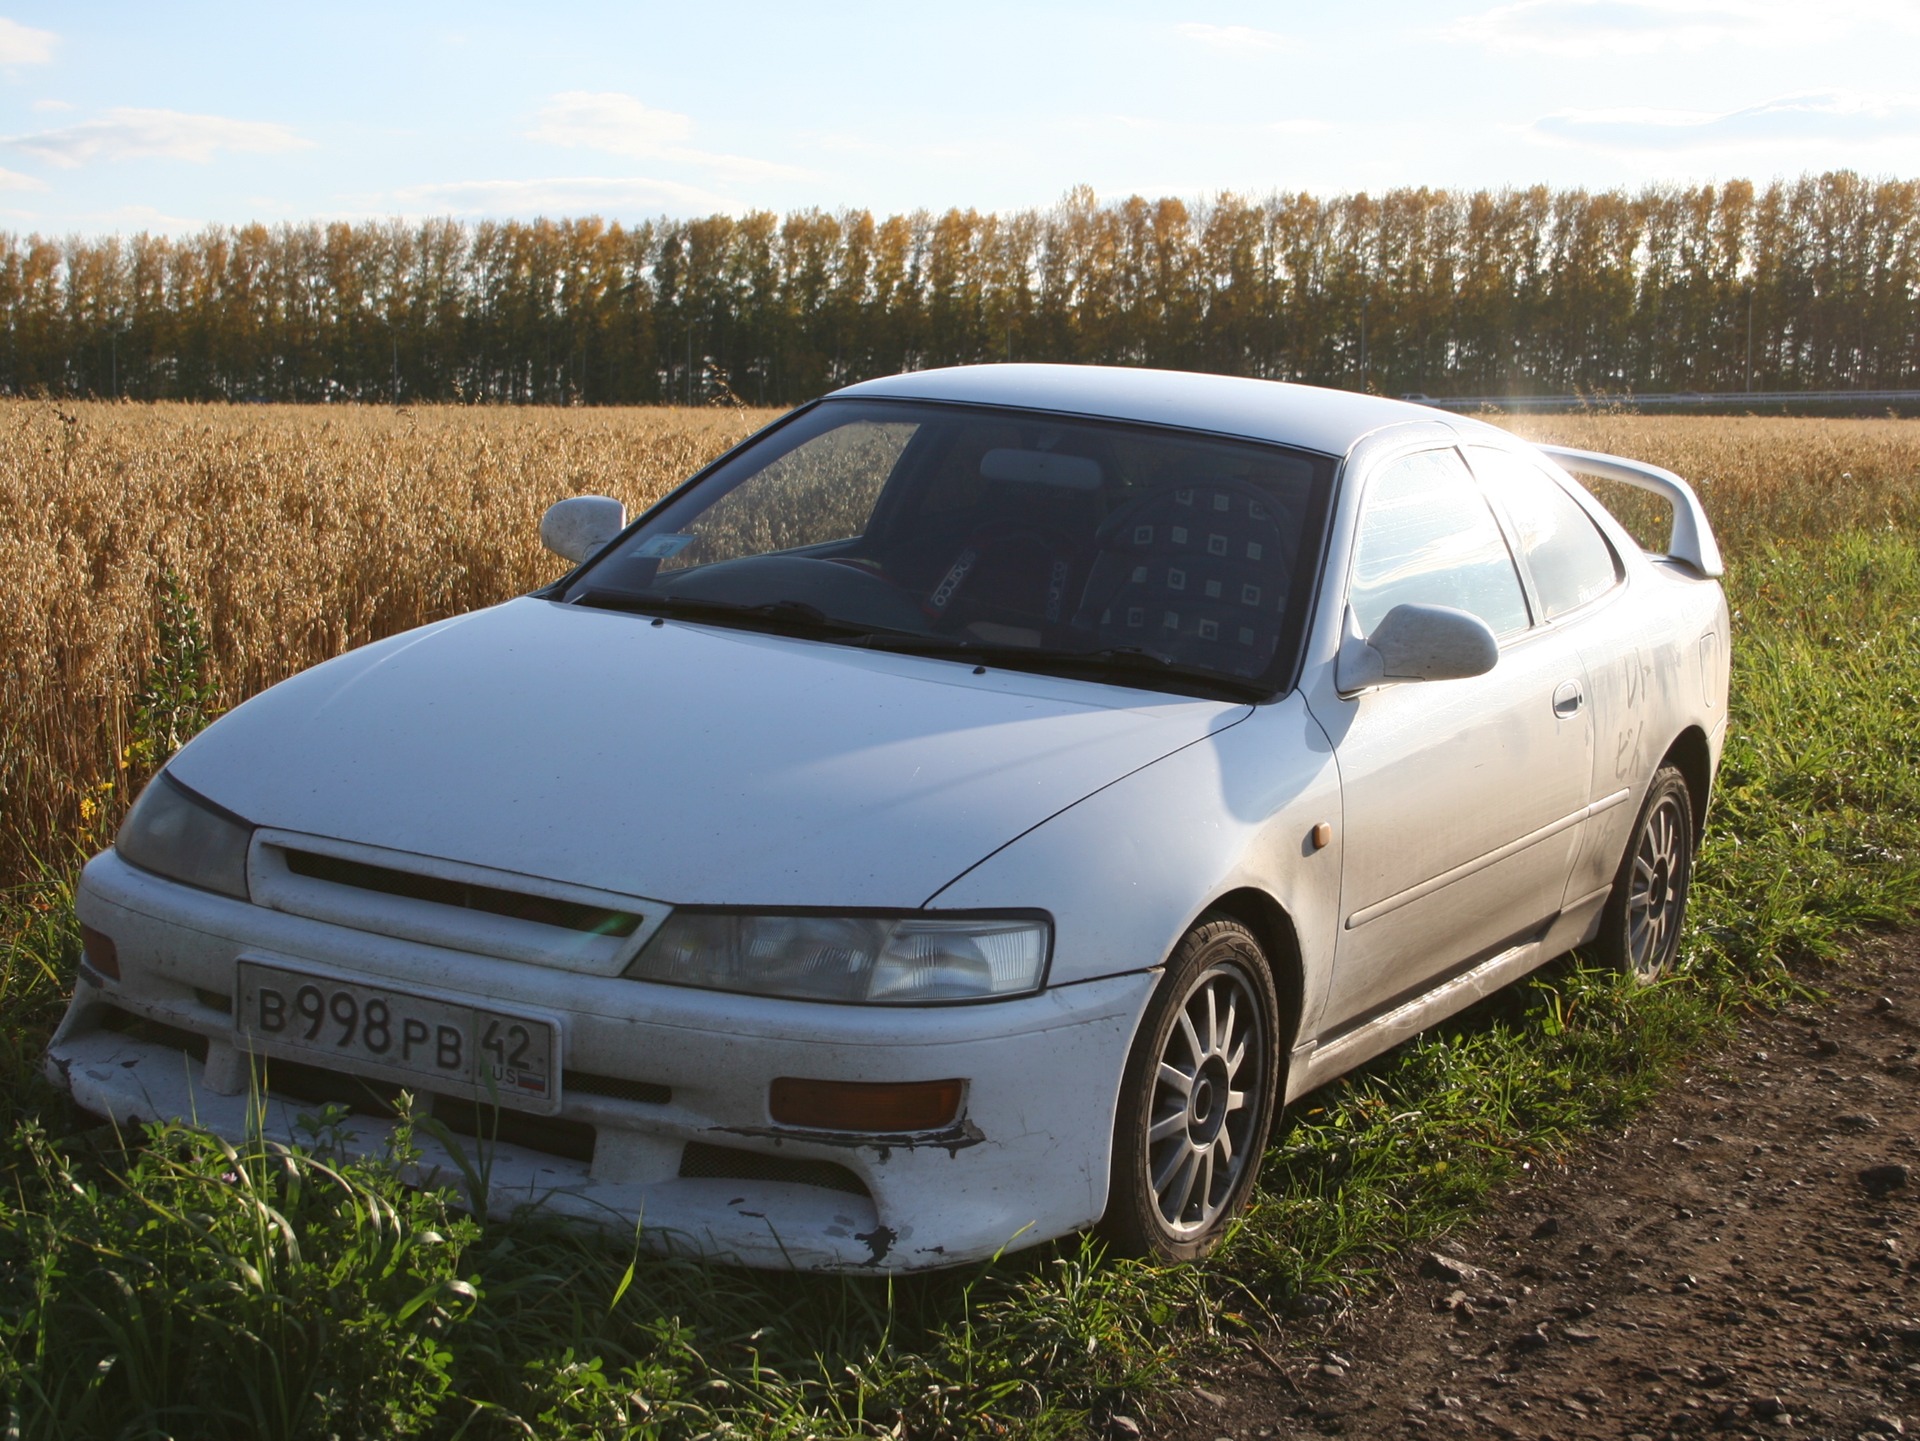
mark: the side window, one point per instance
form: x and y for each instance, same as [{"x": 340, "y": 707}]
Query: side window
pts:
[
  {"x": 822, "y": 490},
  {"x": 1570, "y": 559},
  {"x": 1427, "y": 537}
]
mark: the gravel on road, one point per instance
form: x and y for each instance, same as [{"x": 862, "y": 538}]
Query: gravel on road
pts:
[{"x": 1742, "y": 1260}]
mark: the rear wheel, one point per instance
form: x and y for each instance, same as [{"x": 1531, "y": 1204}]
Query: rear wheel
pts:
[
  {"x": 1640, "y": 928},
  {"x": 1197, "y": 1098}
]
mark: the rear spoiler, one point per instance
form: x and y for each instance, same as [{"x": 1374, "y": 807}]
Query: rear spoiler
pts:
[{"x": 1692, "y": 540}]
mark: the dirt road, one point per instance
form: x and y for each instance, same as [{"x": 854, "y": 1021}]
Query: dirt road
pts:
[{"x": 1742, "y": 1260}]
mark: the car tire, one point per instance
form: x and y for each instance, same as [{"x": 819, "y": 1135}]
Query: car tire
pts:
[
  {"x": 1640, "y": 927},
  {"x": 1185, "y": 1152}
]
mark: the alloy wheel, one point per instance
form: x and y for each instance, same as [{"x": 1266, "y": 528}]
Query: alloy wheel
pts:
[
  {"x": 1657, "y": 887},
  {"x": 1207, "y": 1094}
]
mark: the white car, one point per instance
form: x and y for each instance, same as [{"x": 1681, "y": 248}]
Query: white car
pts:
[{"x": 962, "y": 814}]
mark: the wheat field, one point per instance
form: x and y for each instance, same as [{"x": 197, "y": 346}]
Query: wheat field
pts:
[
  {"x": 293, "y": 533},
  {"x": 1761, "y": 478},
  {"x": 287, "y": 534}
]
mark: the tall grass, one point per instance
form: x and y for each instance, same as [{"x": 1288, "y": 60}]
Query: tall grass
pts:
[{"x": 166, "y": 1283}]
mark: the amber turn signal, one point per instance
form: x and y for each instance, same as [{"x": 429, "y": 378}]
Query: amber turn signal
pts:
[
  {"x": 100, "y": 953},
  {"x": 881, "y": 1106}
]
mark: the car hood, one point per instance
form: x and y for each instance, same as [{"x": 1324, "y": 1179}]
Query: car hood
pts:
[{"x": 692, "y": 764}]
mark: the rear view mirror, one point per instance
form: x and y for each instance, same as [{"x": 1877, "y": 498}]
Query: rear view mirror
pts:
[
  {"x": 1041, "y": 467},
  {"x": 578, "y": 526},
  {"x": 1416, "y": 642}
]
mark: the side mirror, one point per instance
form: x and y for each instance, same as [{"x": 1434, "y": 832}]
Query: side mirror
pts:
[
  {"x": 578, "y": 526},
  {"x": 1415, "y": 642}
]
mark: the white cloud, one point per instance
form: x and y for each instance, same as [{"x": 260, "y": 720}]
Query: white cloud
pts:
[
  {"x": 575, "y": 195},
  {"x": 1585, "y": 28},
  {"x": 602, "y": 120},
  {"x": 738, "y": 167},
  {"x": 146, "y": 217},
  {"x": 1236, "y": 37},
  {"x": 52, "y": 105},
  {"x": 14, "y": 180},
  {"x": 618, "y": 124},
  {"x": 1793, "y": 119},
  {"x": 130, "y": 134},
  {"x": 22, "y": 45}
]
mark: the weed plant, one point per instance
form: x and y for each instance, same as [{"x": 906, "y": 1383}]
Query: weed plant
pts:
[{"x": 165, "y": 1283}]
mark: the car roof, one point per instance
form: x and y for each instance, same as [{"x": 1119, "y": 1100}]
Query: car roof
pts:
[{"x": 1307, "y": 416}]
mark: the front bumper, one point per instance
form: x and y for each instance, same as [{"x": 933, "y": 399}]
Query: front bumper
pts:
[{"x": 678, "y": 1140}]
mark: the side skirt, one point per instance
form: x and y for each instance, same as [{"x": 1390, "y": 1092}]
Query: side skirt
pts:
[{"x": 1314, "y": 1064}]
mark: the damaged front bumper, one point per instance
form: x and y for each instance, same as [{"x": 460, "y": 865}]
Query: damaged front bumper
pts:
[{"x": 663, "y": 1120}]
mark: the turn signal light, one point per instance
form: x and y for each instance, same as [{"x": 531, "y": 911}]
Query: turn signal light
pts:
[
  {"x": 865, "y": 1105},
  {"x": 99, "y": 952}
]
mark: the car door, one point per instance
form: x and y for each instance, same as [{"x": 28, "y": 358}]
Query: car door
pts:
[
  {"x": 1462, "y": 800},
  {"x": 1576, "y": 578}
]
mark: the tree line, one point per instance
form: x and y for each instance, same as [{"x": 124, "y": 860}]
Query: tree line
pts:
[{"x": 1808, "y": 284}]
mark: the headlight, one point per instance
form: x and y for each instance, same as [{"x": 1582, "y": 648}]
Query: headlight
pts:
[
  {"x": 884, "y": 960},
  {"x": 175, "y": 833}
]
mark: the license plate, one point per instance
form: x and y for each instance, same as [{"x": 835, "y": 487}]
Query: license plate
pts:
[{"x": 471, "y": 1051}]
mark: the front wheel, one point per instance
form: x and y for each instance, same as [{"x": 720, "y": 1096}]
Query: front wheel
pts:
[
  {"x": 1197, "y": 1098},
  {"x": 1640, "y": 928}
]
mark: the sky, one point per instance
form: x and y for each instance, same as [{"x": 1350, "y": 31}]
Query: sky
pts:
[{"x": 167, "y": 118}]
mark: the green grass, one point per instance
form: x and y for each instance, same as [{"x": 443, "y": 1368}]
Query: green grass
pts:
[{"x": 174, "y": 1286}]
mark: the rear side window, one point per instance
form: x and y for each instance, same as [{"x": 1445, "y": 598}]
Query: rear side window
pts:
[
  {"x": 1427, "y": 537},
  {"x": 1569, "y": 558}
]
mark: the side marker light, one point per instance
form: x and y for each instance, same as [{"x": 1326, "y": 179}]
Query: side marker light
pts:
[{"x": 99, "y": 953}]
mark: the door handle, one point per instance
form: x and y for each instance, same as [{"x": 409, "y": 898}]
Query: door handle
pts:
[{"x": 1568, "y": 699}]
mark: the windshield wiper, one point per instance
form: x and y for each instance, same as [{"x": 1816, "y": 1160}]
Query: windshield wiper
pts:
[
  {"x": 1126, "y": 664},
  {"x": 1131, "y": 663},
  {"x": 795, "y": 616}
]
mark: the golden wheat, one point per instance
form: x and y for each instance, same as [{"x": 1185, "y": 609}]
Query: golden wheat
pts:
[
  {"x": 1761, "y": 478},
  {"x": 299, "y": 532},
  {"x": 295, "y": 532}
]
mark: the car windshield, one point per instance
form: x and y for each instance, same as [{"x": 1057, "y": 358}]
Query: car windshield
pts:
[{"x": 1094, "y": 549}]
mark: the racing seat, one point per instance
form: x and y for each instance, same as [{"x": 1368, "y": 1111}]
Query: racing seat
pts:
[{"x": 1022, "y": 564}]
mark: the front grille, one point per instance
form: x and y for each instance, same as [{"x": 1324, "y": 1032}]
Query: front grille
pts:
[
  {"x": 154, "y": 1033},
  {"x": 464, "y": 895},
  {"x": 727, "y": 1163},
  {"x": 318, "y": 1086},
  {"x": 650, "y": 1093},
  {"x": 554, "y": 1135}
]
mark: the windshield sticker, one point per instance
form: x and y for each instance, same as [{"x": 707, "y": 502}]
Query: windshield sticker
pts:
[{"x": 662, "y": 547}]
